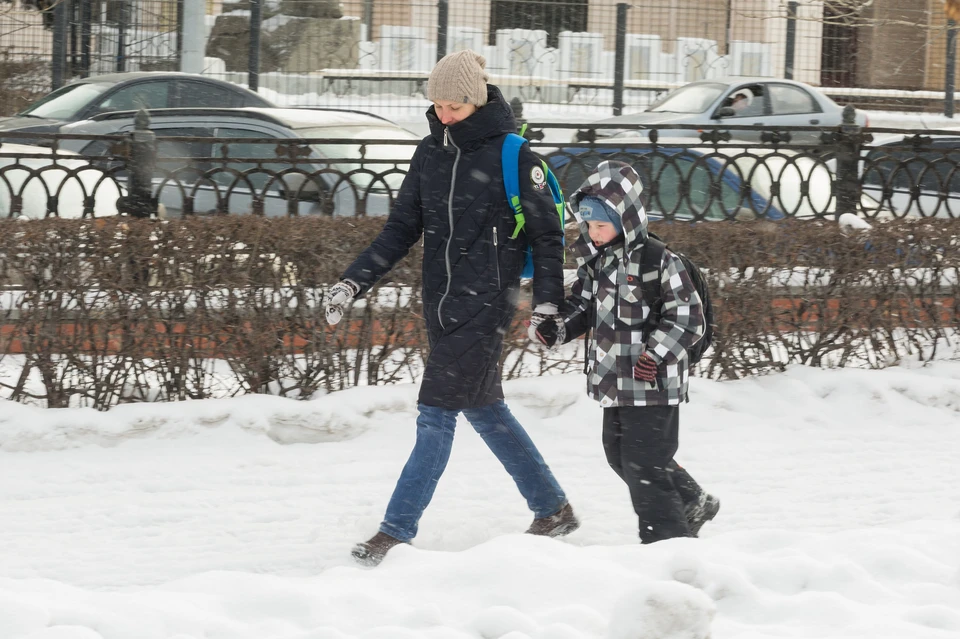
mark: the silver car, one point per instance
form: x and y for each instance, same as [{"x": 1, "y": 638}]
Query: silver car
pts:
[
  {"x": 765, "y": 103},
  {"x": 223, "y": 160}
]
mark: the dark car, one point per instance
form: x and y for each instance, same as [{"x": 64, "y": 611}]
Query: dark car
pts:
[
  {"x": 684, "y": 181},
  {"x": 354, "y": 163},
  {"x": 914, "y": 175},
  {"x": 91, "y": 96}
]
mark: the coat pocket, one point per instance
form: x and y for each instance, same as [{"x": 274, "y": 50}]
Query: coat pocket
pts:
[{"x": 630, "y": 300}]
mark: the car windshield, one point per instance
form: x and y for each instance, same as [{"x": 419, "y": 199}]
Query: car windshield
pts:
[
  {"x": 66, "y": 102},
  {"x": 692, "y": 98},
  {"x": 398, "y": 153}
]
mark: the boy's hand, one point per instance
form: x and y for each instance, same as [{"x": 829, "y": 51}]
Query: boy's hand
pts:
[
  {"x": 645, "y": 369},
  {"x": 338, "y": 295},
  {"x": 541, "y": 313},
  {"x": 552, "y": 331}
]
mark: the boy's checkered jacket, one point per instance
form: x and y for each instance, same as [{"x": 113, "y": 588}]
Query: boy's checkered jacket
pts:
[{"x": 607, "y": 299}]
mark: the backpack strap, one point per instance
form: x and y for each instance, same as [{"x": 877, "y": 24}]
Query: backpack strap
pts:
[
  {"x": 555, "y": 191},
  {"x": 650, "y": 276},
  {"x": 510, "y": 163}
]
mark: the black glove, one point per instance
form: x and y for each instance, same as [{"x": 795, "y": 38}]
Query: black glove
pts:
[
  {"x": 541, "y": 313},
  {"x": 551, "y": 332},
  {"x": 645, "y": 369}
]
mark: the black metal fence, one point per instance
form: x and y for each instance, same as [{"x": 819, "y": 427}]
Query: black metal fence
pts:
[
  {"x": 873, "y": 173},
  {"x": 578, "y": 54}
]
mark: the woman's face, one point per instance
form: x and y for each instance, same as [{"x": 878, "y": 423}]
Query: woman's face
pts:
[
  {"x": 453, "y": 112},
  {"x": 601, "y": 232}
]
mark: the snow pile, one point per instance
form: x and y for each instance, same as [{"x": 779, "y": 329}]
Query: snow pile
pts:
[{"x": 234, "y": 518}]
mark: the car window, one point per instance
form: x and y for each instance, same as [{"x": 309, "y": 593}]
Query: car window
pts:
[
  {"x": 692, "y": 98},
  {"x": 747, "y": 102},
  {"x": 200, "y": 94},
  {"x": 185, "y": 158},
  {"x": 172, "y": 155},
  {"x": 97, "y": 148},
  {"x": 399, "y": 153},
  {"x": 66, "y": 102},
  {"x": 788, "y": 100},
  {"x": 146, "y": 95},
  {"x": 258, "y": 173}
]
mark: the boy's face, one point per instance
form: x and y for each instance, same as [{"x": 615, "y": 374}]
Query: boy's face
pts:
[
  {"x": 601, "y": 232},
  {"x": 453, "y": 112}
]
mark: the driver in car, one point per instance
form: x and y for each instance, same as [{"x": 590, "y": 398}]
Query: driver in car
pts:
[{"x": 740, "y": 101}]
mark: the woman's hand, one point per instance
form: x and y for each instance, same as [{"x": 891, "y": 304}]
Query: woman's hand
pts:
[{"x": 339, "y": 294}]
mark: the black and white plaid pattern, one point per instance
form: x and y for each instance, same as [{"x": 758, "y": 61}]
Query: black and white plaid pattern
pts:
[{"x": 608, "y": 300}]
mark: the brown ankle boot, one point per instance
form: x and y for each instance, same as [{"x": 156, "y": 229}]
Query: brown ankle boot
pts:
[
  {"x": 561, "y": 523},
  {"x": 372, "y": 551}
]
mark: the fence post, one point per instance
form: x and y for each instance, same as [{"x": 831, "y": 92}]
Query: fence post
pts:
[
  {"x": 194, "y": 15},
  {"x": 59, "y": 49},
  {"x": 368, "y": 18},
  {"x": 139, "y": 201},
  {"x": 86, "y": 36},
  {"x": 122, "y": 19},
  {"x": 179, "y": 32},
  {"x": 791, "y": 39},
  {"x": 253, "y": 58},
  {"x": 619, "y": 62},
  {"x": 849, "y": 140},
  {"x": 951, "y": 79},
  {"x": 443, "y": 18}
]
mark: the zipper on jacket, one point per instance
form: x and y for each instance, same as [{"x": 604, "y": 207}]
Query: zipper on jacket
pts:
[
  {"x": 496, "y": 256},
  {"x": 446, "y": 254}
]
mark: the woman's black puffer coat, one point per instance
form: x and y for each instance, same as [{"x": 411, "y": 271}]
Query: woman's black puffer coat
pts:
[{"x": 453, "y": 196}]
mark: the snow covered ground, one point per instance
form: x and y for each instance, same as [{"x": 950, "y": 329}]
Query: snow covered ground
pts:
[{"x": 233, "y": 519}]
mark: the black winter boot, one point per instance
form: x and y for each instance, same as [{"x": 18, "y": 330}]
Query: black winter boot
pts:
[
  {"x": 561, "y": 523},
  {"x": 701, "y": 511},
  {"x": 372, "y": 551}
]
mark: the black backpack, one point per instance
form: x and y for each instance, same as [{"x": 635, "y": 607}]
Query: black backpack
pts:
[{"x": 653, "y": 250}]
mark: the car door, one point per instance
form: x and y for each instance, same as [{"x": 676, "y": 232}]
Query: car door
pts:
[
  {"x": 755, "y": 113},
  {"x": 147, "y": 94},
  {"x": 690, "y": 187},
  {"x": 181, "y": 167},
  {"x": 915, "y": 181},
  {"x": 249, "y": 170},
  {"x": 180, "y": 164},
  {"x": 791, "y": 105}
]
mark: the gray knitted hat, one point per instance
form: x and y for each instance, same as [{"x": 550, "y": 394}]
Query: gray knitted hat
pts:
[{"x": 459, "y": 77}]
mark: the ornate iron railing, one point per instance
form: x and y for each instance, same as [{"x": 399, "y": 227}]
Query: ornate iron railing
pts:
[{"x": 712, "y": 173}]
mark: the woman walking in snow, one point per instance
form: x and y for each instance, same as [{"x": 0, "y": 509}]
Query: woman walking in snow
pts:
[{"x": 453, "y": 197}]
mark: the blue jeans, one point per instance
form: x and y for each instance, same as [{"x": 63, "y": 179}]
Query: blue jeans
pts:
[{"x": 501, "y": 432}]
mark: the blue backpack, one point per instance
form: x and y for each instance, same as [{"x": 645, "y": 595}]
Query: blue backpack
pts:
[{"x": 510, "y": 158}]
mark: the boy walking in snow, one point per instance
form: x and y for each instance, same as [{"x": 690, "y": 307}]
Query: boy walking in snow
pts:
[{"x": 638, "y": 374}]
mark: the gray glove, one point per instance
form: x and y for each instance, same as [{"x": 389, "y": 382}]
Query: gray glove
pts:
[{"x": 339, "y": 295}]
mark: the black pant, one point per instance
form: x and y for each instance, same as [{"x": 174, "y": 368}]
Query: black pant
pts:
[{"x": 640, "y": 442}]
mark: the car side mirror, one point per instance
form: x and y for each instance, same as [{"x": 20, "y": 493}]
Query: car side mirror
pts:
[{"x": 726, "y": 112}]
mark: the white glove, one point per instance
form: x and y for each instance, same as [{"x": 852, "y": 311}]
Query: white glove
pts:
[
  {"x": 338, "y": 296},
  {"x": 540, "y": 313}
]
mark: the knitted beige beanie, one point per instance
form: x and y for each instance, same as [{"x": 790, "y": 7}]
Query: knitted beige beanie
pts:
[{"x": 459, "y": 77}]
